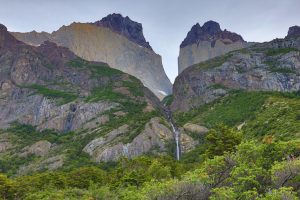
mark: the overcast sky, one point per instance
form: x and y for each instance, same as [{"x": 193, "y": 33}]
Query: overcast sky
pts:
[{"x": 165, "y": 22}]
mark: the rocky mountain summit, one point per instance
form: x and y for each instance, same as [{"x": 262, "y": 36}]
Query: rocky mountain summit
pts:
[
  {"x": 294, "y": 31},
  {"x": 269, "y": 66},
  {"x": 210, "y": 31},
  {"x": 206, "y": 42},
  {"x": 115, "y": 40},
  {"x": 126, "y": 27}
]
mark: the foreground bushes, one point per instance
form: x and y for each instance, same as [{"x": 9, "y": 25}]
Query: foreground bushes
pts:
[{"x": 263, "y": 170}]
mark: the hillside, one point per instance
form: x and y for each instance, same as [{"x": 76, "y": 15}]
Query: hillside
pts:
[
  {"x": 271, "y": 66},
  {"x": 60, "y": 111}
]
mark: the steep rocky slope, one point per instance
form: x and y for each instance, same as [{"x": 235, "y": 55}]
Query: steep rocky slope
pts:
[
  {"x": 270, "y": 66},
  {"x": 58, "y": 110},
  {"x": 206, "y": 42},
  {"x": 115, "y": 40}
]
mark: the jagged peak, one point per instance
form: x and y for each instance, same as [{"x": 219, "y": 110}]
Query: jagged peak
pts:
[
  {"x": 211, "y": 27},
  {"x": 6, "y": 39},
  {"x": 210, "y": 31},
  {"x": 294, "y": 31},
  {"x": 126, "y": 27},
  {"x": 3, "y": 28}
]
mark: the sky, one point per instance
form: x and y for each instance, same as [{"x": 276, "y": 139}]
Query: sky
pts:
[{"x": 165, "y": 22}]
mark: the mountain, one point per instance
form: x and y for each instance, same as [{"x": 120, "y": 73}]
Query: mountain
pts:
[
  {"x": 56, "y": 106},
  {"x": 270, "y": 66},
  {"x": 206, "y": 42},
  {"x": 115, "y": 40},
  {"x": 75, "y": 129}
]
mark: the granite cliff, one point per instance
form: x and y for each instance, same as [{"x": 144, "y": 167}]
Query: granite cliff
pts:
[
  {"x": 115, "y": 40},
  {"x": 206, "y": 42},
  {"x": 269, "y": 66}
]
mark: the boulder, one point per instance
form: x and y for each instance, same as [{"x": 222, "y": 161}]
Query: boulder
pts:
[
  {"x": 195, "y": 128},
  {"x": 152, "y": 139}
]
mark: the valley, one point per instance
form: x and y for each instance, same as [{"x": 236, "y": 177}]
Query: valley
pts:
[{"x": 87, "y": 112}]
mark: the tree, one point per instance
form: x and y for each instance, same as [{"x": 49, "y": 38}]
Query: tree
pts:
[
  {"x": 283, "y": 193},
  {"x": 158, "y": 171},
  {"x": 223, "y": 193},
  {"x": 286, "y": 173},
  {"x": 7, "y": 188},
  {"x": 222, "y": 139},
  {"x": 85, "y": 176}
]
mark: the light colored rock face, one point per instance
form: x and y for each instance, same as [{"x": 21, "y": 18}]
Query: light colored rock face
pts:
[
  {"x": 195, "y": 128},
  {"x": 51, "y": 163},
  {"x": 40, "y": 148},
  {"x": 205, "y": 50},
  {"x": 95, "y": 43},
  {"x": 47, "y": 114},
  {"x": 152, "y": 139},
  {"x": 187, "y": 143}
]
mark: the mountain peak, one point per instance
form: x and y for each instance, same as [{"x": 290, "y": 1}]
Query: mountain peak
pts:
[
  {"x": 294, "y": 31},
  {"x": 126, "y": 27},
  {"x": 6, "y": 39},
  {"x": 210, "y": 31},
  {"x": 211, "y": 27},
  {"x": 3, "y": 28}
]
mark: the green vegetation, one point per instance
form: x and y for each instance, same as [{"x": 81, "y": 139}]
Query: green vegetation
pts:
[
  {"x": 262, "y": 112},
  {"x": 134, "y": 86},
  {"x": 230, "y": 110},
  {"x": 168, "y": 100},
  {"x": 30, "y": 135},
  {"x": 277, "y": 51},
  {"x": 273, "y": 67},
  {"x": 260, "y": 161},
  {"x": 98, "y": 94},
  {"x": 64, "y": 97},
  {"x": 96, "y": 69},
  {"x": 243, "y": 51},
  {"x": 214, "y": 62},
  {"x": 280, "y": 116},
  {"x": 251, "y": 169},
  {"x": 222, "y": 139},
  {"x": 218, "y": 86},
  {"x": 282, "y": 70}
]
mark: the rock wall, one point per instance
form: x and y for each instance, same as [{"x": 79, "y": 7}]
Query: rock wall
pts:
[
  {"x": 202, "y": 51},
  {"x": 206, "y": 42}
]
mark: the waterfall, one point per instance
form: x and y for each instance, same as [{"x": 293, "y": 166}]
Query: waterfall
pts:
[
  {"x": 175, "y": 132},
  {"x": 176, "y": 135}
]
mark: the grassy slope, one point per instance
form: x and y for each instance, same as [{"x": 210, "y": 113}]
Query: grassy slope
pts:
[{"x": 264, "y": 113}]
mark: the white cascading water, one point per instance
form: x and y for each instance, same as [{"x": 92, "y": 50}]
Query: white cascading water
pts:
[{"x": 176, "y": 134}]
